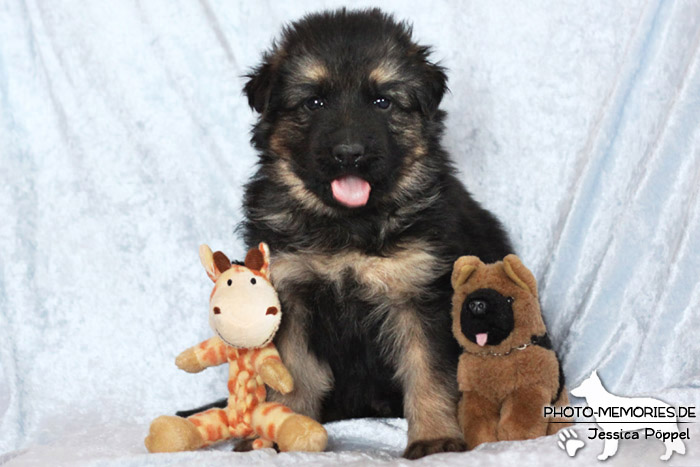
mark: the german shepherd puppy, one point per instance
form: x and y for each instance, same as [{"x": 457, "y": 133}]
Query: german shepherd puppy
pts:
[{"x": 359, "y": 204}]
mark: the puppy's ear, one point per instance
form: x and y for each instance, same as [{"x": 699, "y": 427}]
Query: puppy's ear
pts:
[
  {"x": 259, "y": 86},
  {"x": 463, "y": 268},
  {"x": 434, "y": 84},
  {"x": 518, "y": 273}
]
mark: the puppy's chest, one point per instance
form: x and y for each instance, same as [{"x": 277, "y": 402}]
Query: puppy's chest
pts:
[{"x": 400, "y": 276}]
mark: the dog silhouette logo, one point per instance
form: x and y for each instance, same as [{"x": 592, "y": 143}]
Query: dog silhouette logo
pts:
[{"x": 622, "y": 417}]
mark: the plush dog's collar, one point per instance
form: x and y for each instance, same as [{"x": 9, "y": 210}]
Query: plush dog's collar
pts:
[{"x": 542, "y": 341}]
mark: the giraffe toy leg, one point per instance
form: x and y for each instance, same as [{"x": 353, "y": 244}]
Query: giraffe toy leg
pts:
[
  {"x": 213, "y": 425},
  {"x": 172, "y": 434},
  {"x": 262, "y": 443},
  {"x": 291, "y": 431}
]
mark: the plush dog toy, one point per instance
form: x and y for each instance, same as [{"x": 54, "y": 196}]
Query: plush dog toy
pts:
[
  {"x": 508, "y": 371},
  {"x": 244, "y": 313}
]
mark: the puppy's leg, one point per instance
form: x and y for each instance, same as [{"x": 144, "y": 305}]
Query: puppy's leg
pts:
[
  {"x": 430, "y": 396},
  {"x": 312, "y": 378},
  {"x": 522, "y": 414},
  {"x": 478, "y": 418}
]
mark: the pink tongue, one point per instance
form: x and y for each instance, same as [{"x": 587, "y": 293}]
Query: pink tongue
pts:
[
  {"x": 481, "y": 338},
  {"x": 351, "y": 191}
]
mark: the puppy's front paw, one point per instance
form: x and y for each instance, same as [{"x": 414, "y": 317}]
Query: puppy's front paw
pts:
[
  {"x": 422, "y": 448},
  {"x": 244, "y": 445}
]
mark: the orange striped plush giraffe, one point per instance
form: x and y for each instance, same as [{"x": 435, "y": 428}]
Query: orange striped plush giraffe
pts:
[{"x": 244, "y": 313}]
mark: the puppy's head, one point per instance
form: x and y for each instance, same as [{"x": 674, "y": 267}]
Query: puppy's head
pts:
[
  {"x": 495, "y": 306},
  {"x": 348, "y": 108}
]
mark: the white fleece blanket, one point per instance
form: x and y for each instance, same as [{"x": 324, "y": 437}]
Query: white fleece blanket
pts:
[{"x": 124, "y": 145}]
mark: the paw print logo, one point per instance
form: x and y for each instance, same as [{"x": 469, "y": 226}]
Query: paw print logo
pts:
[{"x": 569, "y": 442}]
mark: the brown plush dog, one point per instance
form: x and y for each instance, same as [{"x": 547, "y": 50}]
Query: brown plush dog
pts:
[{"x": 508, "y": 371}]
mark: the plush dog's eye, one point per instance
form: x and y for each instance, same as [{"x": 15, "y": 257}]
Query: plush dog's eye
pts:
[
  {"x": 314, "y": 103},
  {"x": 382, "y": 102},
  {"x": 252, "y": 280},
  {"x": 229, "y": 282}
]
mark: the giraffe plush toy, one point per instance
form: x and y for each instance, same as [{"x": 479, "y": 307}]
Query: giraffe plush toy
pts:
[{"x": 244, "y": 313}]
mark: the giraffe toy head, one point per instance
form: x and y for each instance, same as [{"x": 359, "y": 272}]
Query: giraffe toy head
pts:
[{"x": 244, "y": 310}]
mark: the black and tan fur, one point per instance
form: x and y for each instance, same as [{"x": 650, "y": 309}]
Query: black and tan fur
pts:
[{"x": 365, "y": 291}]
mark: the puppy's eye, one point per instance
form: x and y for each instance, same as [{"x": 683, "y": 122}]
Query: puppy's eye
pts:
[
  {"x": 382, "y": 103},
  {"x": 314, "y": 103},
  {"x": 510, "y": 300}
]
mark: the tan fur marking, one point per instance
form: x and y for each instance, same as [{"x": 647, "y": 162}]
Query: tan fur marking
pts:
[
  {"x": 277, "y": 145},
  {"x": 384, "y": 73},
  {"x": 413, "y": 175},
  {"x": 429, "y": 400},
  {"x": 280, "y": 221},
  {"x": 312, "y": 379},
  {"x": 298, "y": 191},
  {"x": 315, "y": 72},
  {"x": 399, "y": 276}
]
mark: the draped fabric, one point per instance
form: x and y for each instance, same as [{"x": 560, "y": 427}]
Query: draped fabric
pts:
[{"x": 124, "y": 144}]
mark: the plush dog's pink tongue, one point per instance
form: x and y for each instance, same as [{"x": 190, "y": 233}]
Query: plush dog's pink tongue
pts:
[
  {"x": 351, "y": 191},
  {"x": 481, "y": 338}
]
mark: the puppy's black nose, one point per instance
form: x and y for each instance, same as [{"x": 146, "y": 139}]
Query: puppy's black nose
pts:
[
  {"x": 348, "y": 154},
  {"x": 477, "y": 307}
]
